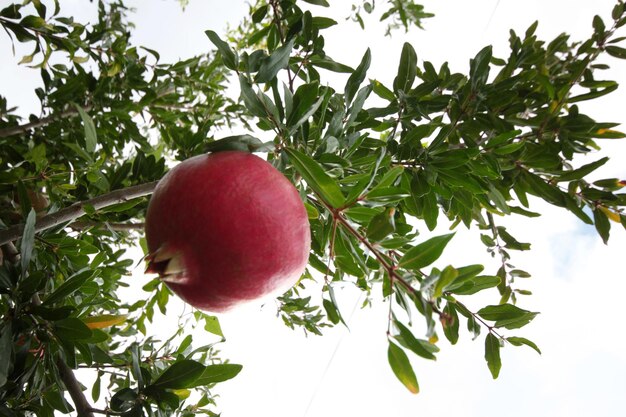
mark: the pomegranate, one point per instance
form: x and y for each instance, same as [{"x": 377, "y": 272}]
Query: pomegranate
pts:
[{"x": 226, "y": 228}]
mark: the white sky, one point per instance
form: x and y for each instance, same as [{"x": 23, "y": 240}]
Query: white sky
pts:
[{"x": 577, "y": 281}]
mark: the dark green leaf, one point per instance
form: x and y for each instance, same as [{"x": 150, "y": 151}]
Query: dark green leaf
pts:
[
  {"x": 602, "y": 224},
  {"x": 124, "y": 400},
  {"x": 479, "y": 67},
  {"x": 421, "y": 348},
  {"x": 316, "y": 178},
  {"x": 584, "y": 170},
  {"x": 244, "y": 143},
  {"x": 71, "y": 329},
  {"x": 228, "y": 56},
  {"x": 181, "y": 374},
  {"x": 275, "y": 62},
  {"x": 330, "y": 65},
  {"x": 407, "y": 69},
  {"x": 72, "y": 284},
  {"x": 357, "y": 77},
  {"x": 425, "y": 253},
  {"x": 331, "y": 311},
  {"x": 381, "y": 225},
  {"x": 402, "y": 368},
  {"x": 616, "y": 51},
  {"x": 492, "y": 355},
  {"x": 252, "y": 102}
]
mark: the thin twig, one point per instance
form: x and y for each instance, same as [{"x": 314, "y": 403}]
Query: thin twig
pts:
[{"x": 20, "y": 129}]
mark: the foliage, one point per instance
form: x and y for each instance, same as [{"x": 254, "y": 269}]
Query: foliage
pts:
[{"x": 377, "y": 165}]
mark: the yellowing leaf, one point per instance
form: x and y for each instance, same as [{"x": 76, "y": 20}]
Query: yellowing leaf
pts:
[
  {"x": 105, "y": 320},
  {"x": 182, "y": 394},
  {"x": 611, "y": 214}
]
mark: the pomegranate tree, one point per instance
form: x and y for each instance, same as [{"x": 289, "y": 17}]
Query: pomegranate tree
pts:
[{"x": 225, "y": 228}]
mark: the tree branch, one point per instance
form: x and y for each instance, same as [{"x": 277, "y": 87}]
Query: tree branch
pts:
[
  {"x": 19, "y": 129},
  {"x": 76, "y": 210},
  {"x": 83, "y": 408},
  {"x": 117, "y": 227}
]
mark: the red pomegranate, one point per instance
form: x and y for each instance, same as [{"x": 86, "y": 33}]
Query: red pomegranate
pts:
[{"x": 226, "y": 228}]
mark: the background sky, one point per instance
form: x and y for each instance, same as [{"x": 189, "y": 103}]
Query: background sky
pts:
[{"x": 578, "y": 283}]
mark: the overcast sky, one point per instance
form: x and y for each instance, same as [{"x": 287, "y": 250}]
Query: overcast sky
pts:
[{"x": 578, "y": 283}]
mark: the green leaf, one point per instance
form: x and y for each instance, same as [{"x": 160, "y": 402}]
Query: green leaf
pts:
[
  {"x": 274, "y": 63},
  {"x": 593, "y": 94},
  {"x": 231, "y": 60},
  {"x": 316, "y": 178},
  {"x": 212, "y": 325},
  {"x": 28, "y": 240},
  {"x": 381, "y": 225},
  {"x": 402, "y": 368},
  {"x": 421, "y": 348},
  {"x": 425, "y": 253},
  {"x": 91, "y": 138},
  {"x": 407, "y": 69},
  {"x": 507, "y": 315},
  {"x": 492, "y": 355},
  {"x": 217, "y": 373},
  {"x": 451, "y": 323},
  {"x": 73, "y": 283},
  {"x": 124, "y": 400},
  {"x": 357, "y": 77},
  {"x": 331, "y": 311},
  {"x": 581, "y": 172},
  {"x": 244, "y": 143},
  {"x": 519, "y": 341},
  {"x": 479, "y": 67},
  {"x": 322, "y": 3},
  {"x": 330, "y": 65},
  {"x": 181, "y": 374},
  {"x": 71, "y": 329},
  {"x": 616, "y": 51},
  {"x": 474, "y": 285},
  {"x": 252, "y": 102},
  {"x": 447, "y": 277},
  {"x": 602, "y": 224}
]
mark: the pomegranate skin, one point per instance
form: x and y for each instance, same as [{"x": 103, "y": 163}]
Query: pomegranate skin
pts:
[{"x": 226, "y": 228}]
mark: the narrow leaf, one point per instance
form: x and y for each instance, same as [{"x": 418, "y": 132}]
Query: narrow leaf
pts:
[
  {"x": 425, "y": 253},
  {"x": 402, "y": 368},
  {"x": 519, "y": 341},
  {"x": 492, "y": 355},
  {"x": 274, "y": 63},
  {"x": 316, "y": 178},
  {"x": 216, "y": 373},
  {"x": 91, "y": 138},
  {"x": 105, "y": 320},
  {"x": 181, "y": 374},
  {"x": 28, "y": 240},
  {"x": 407, "y": 69},
  {"x": 228, "y": 56},
  {"x": 357, "y": 77}
]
